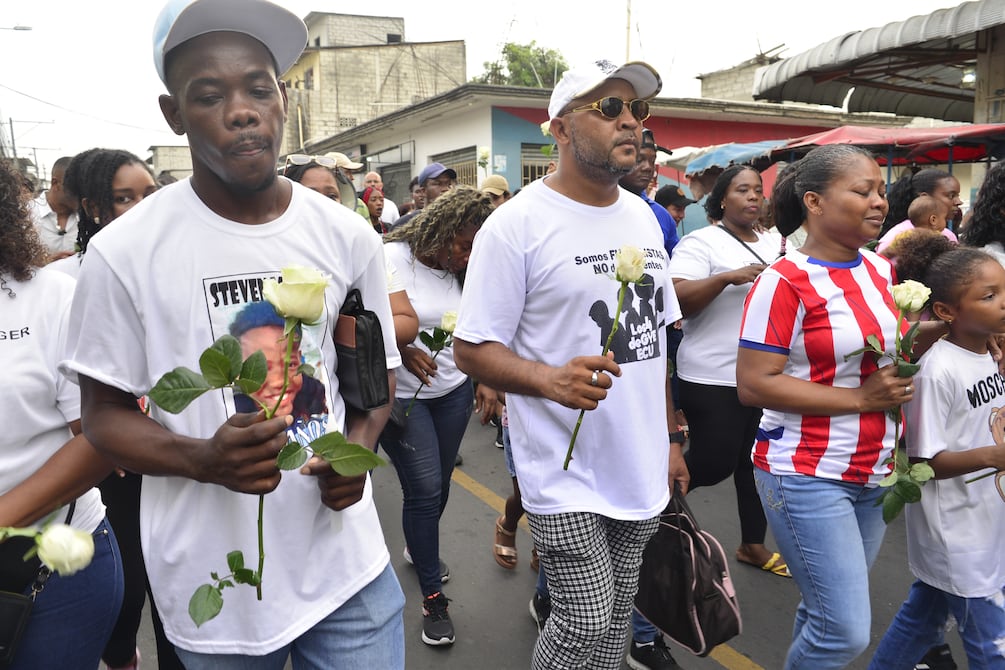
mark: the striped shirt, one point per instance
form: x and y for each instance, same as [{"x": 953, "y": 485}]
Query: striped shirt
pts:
[{"x": 814, "y": 313}]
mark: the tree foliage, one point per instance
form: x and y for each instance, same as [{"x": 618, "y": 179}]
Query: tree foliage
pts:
[{"x": 524, "y": 65}]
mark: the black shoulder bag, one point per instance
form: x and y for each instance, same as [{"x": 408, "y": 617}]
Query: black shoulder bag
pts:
[
  {"x": 362, "y": 365},
  {"x": 16, "y": 575}
]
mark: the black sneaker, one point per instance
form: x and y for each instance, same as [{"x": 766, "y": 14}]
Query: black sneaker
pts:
[
  {"x": 651, "y": 656},
  {"x": 937, "y": 658},
  {"x": 444, "y": 570},
  {"x": 540, "y": 610},
  {"x": 437, "y": 628},
  {"x": 499, "y": 437}
]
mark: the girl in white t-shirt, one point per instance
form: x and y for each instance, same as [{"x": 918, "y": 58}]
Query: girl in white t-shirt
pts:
[{"x": 956, "y": 421}]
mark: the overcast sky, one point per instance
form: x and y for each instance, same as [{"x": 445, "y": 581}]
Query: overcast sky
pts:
[{"x": 84, "y": 75}]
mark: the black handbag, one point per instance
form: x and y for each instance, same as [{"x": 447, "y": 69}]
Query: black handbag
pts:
[
  {"x": 16, "y": 575},
  {"x": 684, "y": 584},
  {"x": 362, "y": 364}
]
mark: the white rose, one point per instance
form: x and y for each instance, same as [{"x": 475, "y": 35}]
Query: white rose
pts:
[
  {"x": 546, "y": 128},
  {"x": 64, "y": 549},
  {"x": 483, "y": 154},
  {"x": 911, "y": 296},
  {"x": 448, "y": 322},
  {"x": 301, "y": 294},
  {"x": 629, "y": 264}
]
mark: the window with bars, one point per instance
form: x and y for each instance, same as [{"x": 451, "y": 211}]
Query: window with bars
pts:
[
  {"x": 534, "y": 162},
  {"x": 462, "y": 161}
]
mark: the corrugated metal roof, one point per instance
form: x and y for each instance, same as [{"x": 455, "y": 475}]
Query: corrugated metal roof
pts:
[{"x": 910, "y": 67}]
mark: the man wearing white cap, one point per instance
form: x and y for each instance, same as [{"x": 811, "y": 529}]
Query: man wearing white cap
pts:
[
  {"x": 173, "y": 278},
  {"x": 539, "y": 285}
]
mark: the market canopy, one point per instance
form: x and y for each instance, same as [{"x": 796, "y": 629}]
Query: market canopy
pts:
[
  {"x": 757, "y": 154},
  {"x": 943, "y": 145},
  {"x": 923, "y": 66}
]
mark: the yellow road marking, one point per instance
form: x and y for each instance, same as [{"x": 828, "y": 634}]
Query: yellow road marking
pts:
[{"x": 724, "y": 655}]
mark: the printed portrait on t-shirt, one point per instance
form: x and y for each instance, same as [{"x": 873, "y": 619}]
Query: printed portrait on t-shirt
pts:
[
  {"x": 237, "y": 307},
  {"x": 639, "y": 323}
]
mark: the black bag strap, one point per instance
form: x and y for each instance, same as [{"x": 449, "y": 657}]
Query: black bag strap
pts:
[
  {"x": 745, "y": 245},
  {"x": 353, "y": 302},
  {"x": 678, "y": 505}
]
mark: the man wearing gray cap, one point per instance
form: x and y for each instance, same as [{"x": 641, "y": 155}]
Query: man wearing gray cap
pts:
[
  {"x": 177, "y": 273},
  {"x": 539, "y": 282}
]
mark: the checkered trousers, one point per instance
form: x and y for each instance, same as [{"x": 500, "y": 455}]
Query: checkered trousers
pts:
[{"x": 592, "y": 564}]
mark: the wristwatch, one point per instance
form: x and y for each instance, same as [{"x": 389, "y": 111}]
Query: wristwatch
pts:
[{"x": 677, "y": 436}]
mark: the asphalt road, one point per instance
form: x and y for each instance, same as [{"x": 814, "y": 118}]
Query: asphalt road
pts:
[{"x": 489, "y": 605}]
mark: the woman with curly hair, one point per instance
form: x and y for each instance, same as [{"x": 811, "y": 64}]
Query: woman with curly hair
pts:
[
  {"x": 47, "y": 468},
  {"x": 937, "y": 183},
  {"x": 430, "y": 254},
  {"x": 106, "y": 183},
  {"x": 986, "y": 229}
]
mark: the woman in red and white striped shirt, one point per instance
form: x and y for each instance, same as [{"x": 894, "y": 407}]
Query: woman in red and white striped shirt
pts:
[{"x": 825, "y": 436}]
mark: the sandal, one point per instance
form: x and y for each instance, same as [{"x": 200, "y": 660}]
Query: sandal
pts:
[
  {"x": 775, "y": 565},
  {"x": 505, "y": 554}
]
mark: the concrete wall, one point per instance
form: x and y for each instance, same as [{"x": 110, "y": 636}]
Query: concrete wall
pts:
[
  {"x": 350, "y": 30},
  {"x": 733, "y": 84},
  {"x": 354, "y": 85}
]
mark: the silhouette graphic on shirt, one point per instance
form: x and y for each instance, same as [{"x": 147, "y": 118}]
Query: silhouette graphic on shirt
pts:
[{"x": 637, "y": 337}]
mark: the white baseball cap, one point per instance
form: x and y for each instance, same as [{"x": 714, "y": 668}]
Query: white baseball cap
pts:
[
  {"x": 281, "y": 31},
  {"x": 582, "y": 79}
]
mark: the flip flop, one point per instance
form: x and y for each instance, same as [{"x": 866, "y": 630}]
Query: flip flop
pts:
[
  {"x": 505, "y": 555},
  {"x": 776, "y": 566}
]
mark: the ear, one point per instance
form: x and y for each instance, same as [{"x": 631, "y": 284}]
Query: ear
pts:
[
  {"x": 91, "y": 209},
  {"x": 286, "y": 101},
  {"x": 560, "y": 130},
  {"x": 943, "y": 311},
  {"x": 812, "y": 203},
  {"x": 172, "y": 113}
]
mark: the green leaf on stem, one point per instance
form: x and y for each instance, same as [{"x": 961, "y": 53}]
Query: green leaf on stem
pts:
[
  {"x": 292, "y": 456},
  {"x": 235, "y": 561},
  {"x": 306, "y": 369},
  {"x": 221, "y": 363},
  {"x": 225, "y": 584},
  {"x": 907, "y": 343},
  {"x": 427, "y": 339},
  {"x": 177, "y": 389},
  {"x": 346, "y": 458},
  {"x": 245, "y": 576},
  {"x": 875, "y": 344},
  {"x": 905, "y": 369},
  {"x": 205, "y": 604},
  {"x": 889, "y": 480},
  {"x": 901, "y": 462},
  {"x": 291, "y": 324},
  {"x": 922, "y": 472},
  {"x": 892, "y": 503},
  {"x": 253, "y": 373},
  {"x": 908, "y": 490}
]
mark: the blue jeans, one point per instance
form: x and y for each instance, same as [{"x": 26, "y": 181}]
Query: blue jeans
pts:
[
  {"x": 922, "y": 619},
  {"x": 830, "y": 533},
  {"x": 366, "y": 632},
  {"x": 424, "y": 457},
  {"x": 73, "y": 616}
]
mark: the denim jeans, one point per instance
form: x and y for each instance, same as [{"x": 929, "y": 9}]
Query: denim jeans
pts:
[
  {"x": 366, "y": 632},
  {"x": 830, "y": 533},
  {"x": 73, "y": 616},
  {"x": 922, "y": 619},
  {"x": 424, "y": 457}
]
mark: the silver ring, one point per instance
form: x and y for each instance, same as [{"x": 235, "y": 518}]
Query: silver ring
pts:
[
  {"x": 594, "y": 378},
  {"x": 908, "y": 389}
]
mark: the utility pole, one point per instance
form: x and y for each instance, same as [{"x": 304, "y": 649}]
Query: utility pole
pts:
[
  {"x": 628, "y": 32},
  {"x": 13, "y": 143}
]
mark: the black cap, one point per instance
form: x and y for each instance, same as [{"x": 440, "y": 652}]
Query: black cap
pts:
[
  {"x": 672, "y": 195},
  {"x": 649, "y": 140}
]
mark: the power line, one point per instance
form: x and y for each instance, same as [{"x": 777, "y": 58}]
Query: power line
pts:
[{"x": 84, "y": 114}]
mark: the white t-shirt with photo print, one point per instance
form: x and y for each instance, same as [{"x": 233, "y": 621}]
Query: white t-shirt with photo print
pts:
[
  {"x": 540, "y": 281},
  {"x": 153, "y": 294}
]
